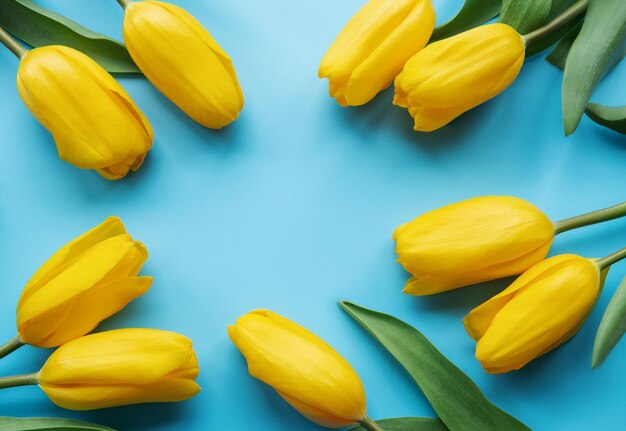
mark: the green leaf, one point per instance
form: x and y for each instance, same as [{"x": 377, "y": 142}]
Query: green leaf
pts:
[
  {"x": 613, "y": 324},
  {"x": 55, "y": 424},
  {"x": 613, "y": 117},
  {"x": 472, "y": 14},
  {"x": 525, "y": 15},
  {"x": 408, "y": 424},
  {"x": 544, "y": 42},
  {"x": 455, "y": 398},
  {"x": 38, "y": 26},
  {"x": 594, "y": 51},
  {"x": 558, "y": 56}
]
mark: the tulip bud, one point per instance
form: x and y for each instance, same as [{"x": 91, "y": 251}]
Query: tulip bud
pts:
[
  {"x": 179, "y": 56},
  {"x": 94, "y": 122},
  {"x": 301, "y": 367},
  {"x": 541, "y": 310},
  {"x": 454, "y": 75},
  {"x": 476, "y": 240},
  {"x": 120, "y": 367},
  {"x": 372, "y": 48},
  {"x": 86, "y": 281}
]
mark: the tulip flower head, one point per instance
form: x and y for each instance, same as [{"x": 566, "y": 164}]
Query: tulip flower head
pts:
[
  {"x": 179, "y": 56},
  {"x": 86, "y": 281},
  {"x": 372, "y": 48},
  {"x": 120, "y": 367},
  {"x": 94, "y": 122},
  {"x": 304, "y": 370},
  {"x": 476, "y": 240},
  {"x": 452, "y": 76},
  {"x": 541, "y": 310}
]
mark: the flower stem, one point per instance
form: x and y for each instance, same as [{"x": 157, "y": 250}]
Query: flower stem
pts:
[
  {"x": 124, "y": 3},
  {"x": 10, "y": 346},
  {"x": 22, "y": 380},
  {"x": 370, "y": 425},
  {"x": 612, "y": 258},
  {"x": 594, "y": 217},
  {"x": 567, "y": 16},
  {"x": 11, "y": 44}
]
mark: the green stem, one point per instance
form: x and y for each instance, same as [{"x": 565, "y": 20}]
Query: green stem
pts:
[
  {"x": 11, "y": 346},
  {"x": 594, "y": 217},
  {"x": 124, "y": 3},
  {"x": 22, "y": 380},
  {"x": 567, "y": 16},
  {"x": 612, "y": 258},
  {"x": 370, "y": 425},
  {"x": 11, "y": 44}
]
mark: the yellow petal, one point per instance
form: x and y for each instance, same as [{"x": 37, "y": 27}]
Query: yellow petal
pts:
[
  {"x": 59, "y": 325},
  {"x": 94, "y": 122},
  {"x": 548, "y": 305},
  {"x": 123, "y": 356},
  {"x": 112, "y": 259},
  {"x": 471, "y": 241},
  {"x": 372, "y": 48},
  {"x": 453, "y": 75},
  {"x": 179, "y": 56},
  {"x": 89, "y": 397},
  {"x": 300, "y": 366},
  {"x": 111, "y": 227}
]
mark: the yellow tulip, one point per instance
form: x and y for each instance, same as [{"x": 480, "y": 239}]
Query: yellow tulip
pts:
[
  {"x": 120, "y": 367},
  {"x": 541, "y": 310},
  {"x": 304, "y": 370},
  {"x": 94, "y": 122},
  {"x": 372, "y": 48},
  {"x": 454, "y": 75},
  {"x": 86, "y": 281},
  {"x": 476, "y": 240},
  {"x": 179, "y": 56}
]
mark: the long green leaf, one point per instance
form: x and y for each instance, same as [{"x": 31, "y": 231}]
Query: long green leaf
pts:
[
  {"x": 547, "y": 40},
  {"x": 613, "y": 117},
  {"x": 49, "y": 424},
  {"x": 600, "y": 41},
  {"x": 558, "y": 56},
  {"x": 525, "y": 16},
  {"x": 472, "y": 14},
  {"x": 408, "y": 424},
  {"x": 455, "y": 398},
  {"x": 38, "y": 26},
  {"x": 612, "y": 326}
]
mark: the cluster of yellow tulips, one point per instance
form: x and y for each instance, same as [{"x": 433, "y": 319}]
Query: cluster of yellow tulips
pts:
[
  {"x": 86, "y": 281},
  {"x": 387, "y": 40},
  {"x": 94, "y": 122},
  {"x": 491, "y": 237}
]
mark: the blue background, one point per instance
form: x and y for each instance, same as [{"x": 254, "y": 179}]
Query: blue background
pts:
[{"x": 292, "y": 207}]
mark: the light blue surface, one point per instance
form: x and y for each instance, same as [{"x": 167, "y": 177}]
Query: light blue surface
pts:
[{"x": 292, "y": 207}]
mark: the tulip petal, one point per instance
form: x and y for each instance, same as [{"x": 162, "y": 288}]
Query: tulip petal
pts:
[
  {"x": 478, "y": 320},
  {"x": 317, "y": 415},
  {"x": 299, "y": 365},
  {"x": 372, "y": 48},
  {"x": 111, "y": 227},
  {"x": 124, "y": 356},
  {"x": 96, "y": 127},
  {"x": 112, "y": 259},
  {"x": 89, "y": 397},
  {"x": 453, "y": 75},
  {"x": 468, "y": 242},
  {"x": 543, "y": 313},
  {"x": 102, "y": 302},
  {"x": 178, "y": 55}
]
